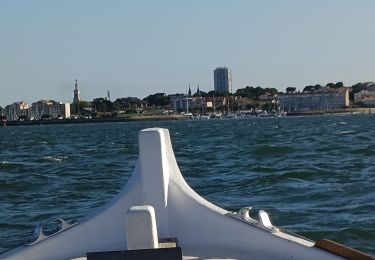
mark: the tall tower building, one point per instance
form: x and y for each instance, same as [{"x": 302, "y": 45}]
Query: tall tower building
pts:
[
  {"x": 76, "y": 98},
  {"x": 223, "y": 80}
]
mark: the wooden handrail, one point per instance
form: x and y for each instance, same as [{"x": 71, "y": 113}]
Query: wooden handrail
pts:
[{"x": 341, "y": 250}]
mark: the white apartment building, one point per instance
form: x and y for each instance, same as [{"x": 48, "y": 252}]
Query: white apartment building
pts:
[
  {"x": 49, "y": 107},
  {"x": 181, "y": 103},
  {"x": 17, "y": 109},
  {"x": 366, "y": 95},
  {"x": 326, "y": 99}
]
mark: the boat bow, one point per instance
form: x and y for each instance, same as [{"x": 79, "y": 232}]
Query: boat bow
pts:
[{"x": 203, "y": 229}]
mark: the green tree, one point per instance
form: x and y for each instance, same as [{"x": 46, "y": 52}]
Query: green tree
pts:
[
  {"x": 290, "y": 90},
  {"x": 251, "y": 92},
  {"x": 259, "y": 91},
  {"x": 318, "y": 87},
  {"x": 158, "y": 100},
  {"x": 128, "y": 103},
  {"x": 216, "y": 93},
  {"x": 339, "y": 85},
  {"x": 102, "y": 105},
  {"x": 81, "y": 105},
  {"x": 200, "y": 94},
  {"x": 271, "y": 91},
  {"x": 84, "y": 104},
  {"x": 309, "y": 88},
  {"x": 355, "y": 89}
]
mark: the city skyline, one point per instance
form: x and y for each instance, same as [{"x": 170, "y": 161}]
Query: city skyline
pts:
[{"x": 139, "y": 48}]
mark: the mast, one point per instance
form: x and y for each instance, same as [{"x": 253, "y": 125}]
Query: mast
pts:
[
  {"x": 187, "y": 104},
  {"x": 213, "y": 101},
  {"x": 76, "y": 97}
]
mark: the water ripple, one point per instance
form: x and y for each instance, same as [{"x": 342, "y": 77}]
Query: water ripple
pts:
[{"x": 314, "y": 175}]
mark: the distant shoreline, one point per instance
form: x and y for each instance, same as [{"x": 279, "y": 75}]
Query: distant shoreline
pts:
[
  {"x": 346, "y": 111},
  {"x": 343, "y": 111},
  {"x": 93, "y": 120}
]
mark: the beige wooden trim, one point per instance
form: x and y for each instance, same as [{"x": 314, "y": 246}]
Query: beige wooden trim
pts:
[{"x": 341, "y": 250}]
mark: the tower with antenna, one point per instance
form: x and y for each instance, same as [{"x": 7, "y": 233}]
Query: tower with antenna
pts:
[{"x": 108, "y": 95}]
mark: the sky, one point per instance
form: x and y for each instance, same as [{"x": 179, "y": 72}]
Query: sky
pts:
[{"x": 137, "y": 48}]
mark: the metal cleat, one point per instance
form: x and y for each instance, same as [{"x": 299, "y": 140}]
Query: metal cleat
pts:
[
  {"x": 244, "y": 214},
  {"x": 38, "y": 235},
  {"x": 64, "y": 225},
  {"x": 265, "y": 222}
]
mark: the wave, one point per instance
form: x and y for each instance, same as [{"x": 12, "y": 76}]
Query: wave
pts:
[
  {"x": 7, "y": 165},
  {"x": 55, "y": 158},
  {"x": 273, "y": 149},
  {"x": 346, "y": 132}
]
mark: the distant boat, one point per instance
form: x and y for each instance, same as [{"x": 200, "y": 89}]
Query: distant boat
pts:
[
  {"x": 157, "y": 214},
  {"x": 204, "y": 117},
  {"x": 231, "y": 116},
  {"x": 189, "y": 115},
  {"x": 217, "y": 115}
]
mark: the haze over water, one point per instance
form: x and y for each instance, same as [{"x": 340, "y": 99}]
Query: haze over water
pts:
[{"x": 313, "y": 175}]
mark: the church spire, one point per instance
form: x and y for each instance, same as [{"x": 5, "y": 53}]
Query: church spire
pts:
[{"x": 76, "y": 98}]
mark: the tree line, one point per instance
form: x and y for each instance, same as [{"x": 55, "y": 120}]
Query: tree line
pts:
[
  {"x": 159, "y": 100},
  {"x": 315, "y": 88}
]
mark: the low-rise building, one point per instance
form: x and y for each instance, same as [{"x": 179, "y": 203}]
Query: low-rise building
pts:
[
  {"x": 17, "y": 110},
  {"x": 244, "y": 103},
  {"x": 366, "y": 95},
  {"x": 369, "y": 101},
  {"x": 216, "y": 103},
  {"x": 50, "y": 109},
  {"x": 325, "y": 99},
  {"x": 184, "y": 103},
  {"x": 267, "y": 98},
  {"x": 180, "y": 103}
]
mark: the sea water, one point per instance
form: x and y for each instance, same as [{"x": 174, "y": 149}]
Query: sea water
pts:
[{"x": 314, "y": 175}]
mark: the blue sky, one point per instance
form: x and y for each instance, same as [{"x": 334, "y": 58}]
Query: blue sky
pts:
[{"x": 136, "y": 48}]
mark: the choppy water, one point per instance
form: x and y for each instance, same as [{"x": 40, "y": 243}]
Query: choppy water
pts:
[{"x": 314, "y": 175}]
